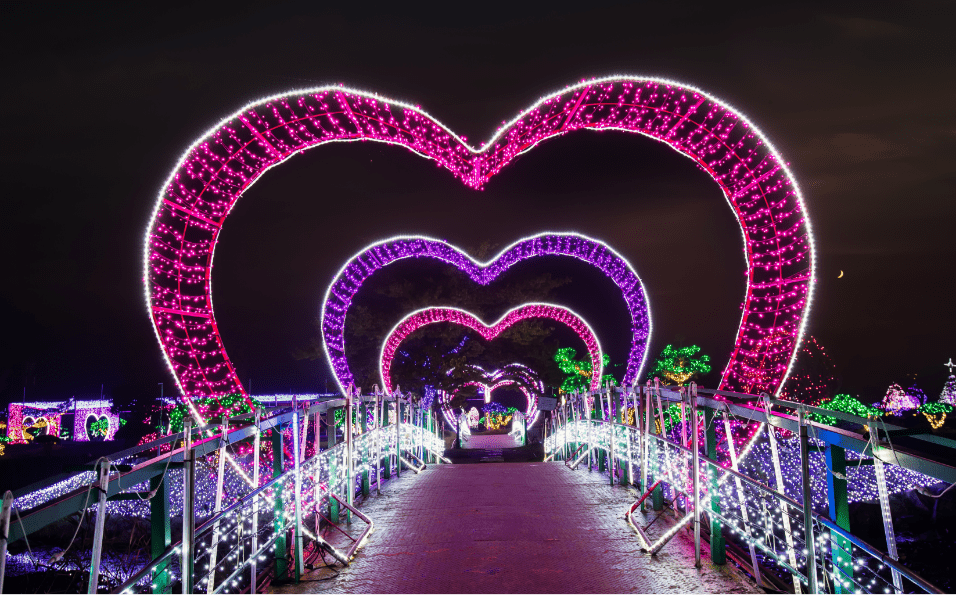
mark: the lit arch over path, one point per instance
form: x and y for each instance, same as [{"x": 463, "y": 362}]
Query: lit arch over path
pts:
[
  {"x": 215, "y": 171},
  {"x": 489, "y": 332},
  {"x": 359, "y": 268}
]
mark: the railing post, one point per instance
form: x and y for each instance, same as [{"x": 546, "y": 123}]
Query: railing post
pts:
[
  {"x": 398, "y": 435},
  {"x": 188, "y": 559},
  {"x": 884, "y": 496},
  {"x": 387, "y": 470},
  {"x": 256, "y": 443},
  {"x": 349, "y": 460},
  {"x": 297, "y": 490},
  {"x": 220, "y": 476},
  {"x": 695, "y": 476},
  {"x": 782, "y": 488},
  {"x": 839, "y": 509},
  {"x": 331, "y": 438},
  {"x": 602, "y": 453},
  {"x": 808, "y": 538},
  {"x": 104, "y": 479},
  {"x": 281, "y": 545},
  {"x": 611, "y": 435},
  {"x": 657, "y": 497},
  {"x": 366, "y": 478},
  {"x": 4, "y": 532},
  {"x": 718, "y": 546},
  {"x": 645, "y": 444}
]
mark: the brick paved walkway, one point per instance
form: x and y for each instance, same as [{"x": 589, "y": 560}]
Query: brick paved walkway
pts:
[
  {"x": 490, "y": 441},
  {"x": 513, "y": 528}
]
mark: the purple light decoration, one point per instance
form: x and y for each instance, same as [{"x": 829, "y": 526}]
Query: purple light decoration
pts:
[
  {"x": 215, "y": 171},
  {"x": 421, "y": 318},
  {"x": 355, "y": 272}
]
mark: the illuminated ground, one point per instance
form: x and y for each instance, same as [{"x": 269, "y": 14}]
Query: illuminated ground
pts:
[
  {"x": 490, "y": 441},
  {"x": 513, "y": 528}
]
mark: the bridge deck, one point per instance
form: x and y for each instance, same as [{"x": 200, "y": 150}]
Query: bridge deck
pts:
[{"x": 513, "y": 528}]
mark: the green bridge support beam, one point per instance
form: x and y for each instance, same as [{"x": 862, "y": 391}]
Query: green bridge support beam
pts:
[
  {"x": 839, "y": 509},
  {"x": 160, "y": 529}
]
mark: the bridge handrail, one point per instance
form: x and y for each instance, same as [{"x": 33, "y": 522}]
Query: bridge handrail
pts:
[{"x": 610, "y": 442}]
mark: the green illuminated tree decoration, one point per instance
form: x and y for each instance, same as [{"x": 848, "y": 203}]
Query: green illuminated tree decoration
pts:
[
  {"x": 682, "y": 364},
  {"x": 210, "y": 408},
  {"x": 579, "y": 372},
  {"x": 846, "y": 404}
]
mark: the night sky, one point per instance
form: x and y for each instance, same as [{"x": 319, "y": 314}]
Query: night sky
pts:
[{"x": 99, "y": 104}]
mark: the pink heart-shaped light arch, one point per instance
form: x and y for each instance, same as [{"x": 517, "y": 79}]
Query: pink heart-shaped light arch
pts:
[
  {"x": 426, "y": 316},
  {"x": 216, "y": 170}
]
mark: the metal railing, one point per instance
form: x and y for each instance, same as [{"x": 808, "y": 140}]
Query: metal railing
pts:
[
  {"x": 269, "y": 525},
  {"x": 673, "y": 445}
]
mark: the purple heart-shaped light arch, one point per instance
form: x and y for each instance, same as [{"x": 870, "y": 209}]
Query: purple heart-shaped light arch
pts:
[
  {"x": 215, "y": 171},
  {"x": 363, "y": 265}
]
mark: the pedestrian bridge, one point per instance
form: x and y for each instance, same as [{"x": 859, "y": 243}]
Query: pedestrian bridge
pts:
[{"x": 646, "y": 489}]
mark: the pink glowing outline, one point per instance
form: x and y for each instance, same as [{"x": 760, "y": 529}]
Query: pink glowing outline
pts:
[
  {"x": 268, "y": 146},
  {"x": 489, "y": 332}
]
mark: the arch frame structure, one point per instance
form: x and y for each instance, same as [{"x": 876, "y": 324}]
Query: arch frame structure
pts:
[
  {"x": 222, "y": 164},
  {"x": 350, "y": 278},
  {"x": 427, "y": 316}
]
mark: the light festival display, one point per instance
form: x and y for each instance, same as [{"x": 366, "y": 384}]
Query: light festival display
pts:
[
  {"x": 359, "y": 268},
  {"x": 427, "y": 316},
  {"x": 513, "y": 374},
  {"x": 94, "y": 413},
  {"x": 219, "y": 166}
]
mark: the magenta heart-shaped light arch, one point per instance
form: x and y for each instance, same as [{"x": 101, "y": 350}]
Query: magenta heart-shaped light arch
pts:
[
  {"x": 427, "y": 316},
  {"x": 215, "y": 171}
]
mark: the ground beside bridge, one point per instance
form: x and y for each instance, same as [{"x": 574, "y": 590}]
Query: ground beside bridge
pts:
[{"x": 513, "y": 528}]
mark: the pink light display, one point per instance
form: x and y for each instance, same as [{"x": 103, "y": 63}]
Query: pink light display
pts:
[
  {"x": 424, "y": 317},
  {"x": 216, "y": 170}
]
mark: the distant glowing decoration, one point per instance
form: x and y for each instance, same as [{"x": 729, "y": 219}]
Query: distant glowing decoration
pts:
[
  {"x": 948, "y": 394},
  {"x": 497, "y": 415},
  {"x": 350, "y": 278},
  {"x": 513, "y": 374},
  {"x": 219, "y": 166},
  {"x": 580, "y": 374},
  {"x": 210, "y": 408},
  {"x": 473, "y": 417},
  {"x": 46, "y": 418},
  {"x": 427, "y": 316},
  {"x": 846, "y": 404},
  {"x": 681, "y": 364},
  {"x": 935, "y": 413},
  {"x": 897, "y": 400}
]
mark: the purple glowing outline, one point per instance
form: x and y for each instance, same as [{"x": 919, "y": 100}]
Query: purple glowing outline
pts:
[
  {"x": 359, "y": 268},
  {"x": 218, "y": 167}
]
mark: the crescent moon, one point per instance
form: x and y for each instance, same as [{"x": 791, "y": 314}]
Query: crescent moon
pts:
[{"x": 840, "y": 276}]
